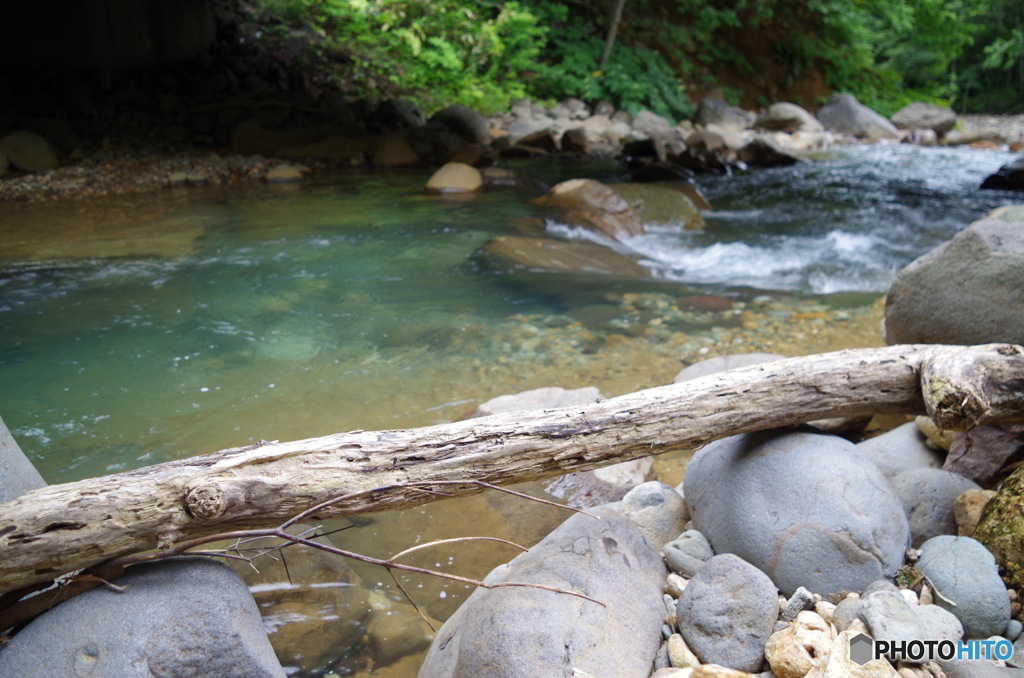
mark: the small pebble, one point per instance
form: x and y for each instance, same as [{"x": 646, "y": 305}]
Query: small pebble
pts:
[
  {"x": 674, "y": 585},
  {"x": 825, "y": 609},
  {"x": 910, "y": 597}
]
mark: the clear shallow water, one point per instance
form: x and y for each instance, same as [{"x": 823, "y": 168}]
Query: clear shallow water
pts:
[{"x": 136, "y": 330}]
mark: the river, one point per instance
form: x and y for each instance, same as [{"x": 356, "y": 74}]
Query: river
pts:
[{"x": 135, "y": 330}]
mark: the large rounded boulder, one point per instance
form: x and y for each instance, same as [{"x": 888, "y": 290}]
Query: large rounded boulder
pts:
[
  {"x": 808, "y": 510},
  {"x": 784, "y": 116},
  {"x": 843, "y": 114},
  {"x": 968, "y": 290},
  {"x": 921, "y": 115},
  {"x": 523, "y": 631}
]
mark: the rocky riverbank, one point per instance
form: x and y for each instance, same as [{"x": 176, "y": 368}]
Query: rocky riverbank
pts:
[{"x": 45, "y": 159}]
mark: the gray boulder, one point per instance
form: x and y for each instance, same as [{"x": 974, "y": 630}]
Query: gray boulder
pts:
[
  {"x": 175, "y": 619},
  {"x": 766, "y": 153},
  {"x": 727, "y": 612},
  {"x": 1010, "y": 177},
  {"x": 961, "y": 292},
  {"x": 807, "y": 509},
  {"x": 712, "y": 111},
  {"x": 464, "y": 122},
  {"x": 928, "y": 495},
  {"x": 787, "y": 117},
  {"x": 657, "y": 509},
  {"x": 523, "y": 129},
  {"x": 17, "y": 474},
  {"x": 901, "y": 449},
  {"x": 919, "y": 115},
  {"x": 517, "y": 631},
  {"x": 964, "y": 572},
  {"x": 687, "y": 554},
  {"x": 651, "y": 124},
  {"x": 843, "y": 114}
]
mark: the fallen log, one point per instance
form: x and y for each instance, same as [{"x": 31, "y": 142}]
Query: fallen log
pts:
[{"x": 63, "y": 528}]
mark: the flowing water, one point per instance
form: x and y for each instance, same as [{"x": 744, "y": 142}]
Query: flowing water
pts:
[{"x": 143, "y": 329}]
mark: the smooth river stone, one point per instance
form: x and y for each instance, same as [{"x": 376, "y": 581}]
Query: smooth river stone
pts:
[{"x": 808, "y": 510}]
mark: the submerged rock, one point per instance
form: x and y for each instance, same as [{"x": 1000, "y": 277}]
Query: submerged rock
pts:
[
  {"x": 657, "y": 204},
  {"x": 313, "y": 605},
  {"x": 547, "y": 255},
  {"x": 591, "y": 204}
]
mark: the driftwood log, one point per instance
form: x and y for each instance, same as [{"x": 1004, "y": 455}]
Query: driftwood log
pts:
[{"x": 63, "y": 528}]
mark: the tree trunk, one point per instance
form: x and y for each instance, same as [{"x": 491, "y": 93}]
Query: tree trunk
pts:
[
  {"x": 58, "y": 529},
  {"x": 613, "y": 30}
]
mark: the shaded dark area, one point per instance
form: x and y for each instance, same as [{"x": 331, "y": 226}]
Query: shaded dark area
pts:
[{"x": 160, "y": 73}]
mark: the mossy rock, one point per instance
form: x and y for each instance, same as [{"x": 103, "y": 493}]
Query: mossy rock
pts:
[{"x": 1002, "y": 529}]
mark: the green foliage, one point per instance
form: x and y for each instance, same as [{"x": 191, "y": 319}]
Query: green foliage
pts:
[
  {"x": 992, "y": 75},
  {"x": 635, "y": 78},
  {"x": 439, "y": 52},
  {"x": 485, "y": 54}
]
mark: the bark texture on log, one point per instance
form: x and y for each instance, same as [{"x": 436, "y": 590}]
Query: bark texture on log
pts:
[{"x": 62, "y": 528}]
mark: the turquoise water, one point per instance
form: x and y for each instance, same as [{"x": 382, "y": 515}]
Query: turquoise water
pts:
[
  {"x": 142, "y": 329},
  {"x": 284, "y": 297}
]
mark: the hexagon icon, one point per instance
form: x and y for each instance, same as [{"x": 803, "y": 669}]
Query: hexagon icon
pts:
[{"x": 862, "y": 649}]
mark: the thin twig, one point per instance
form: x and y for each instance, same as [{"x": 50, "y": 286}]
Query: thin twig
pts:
[
  {"x": 453, "y": 540},
  {"x": 409, "y": 598}
]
